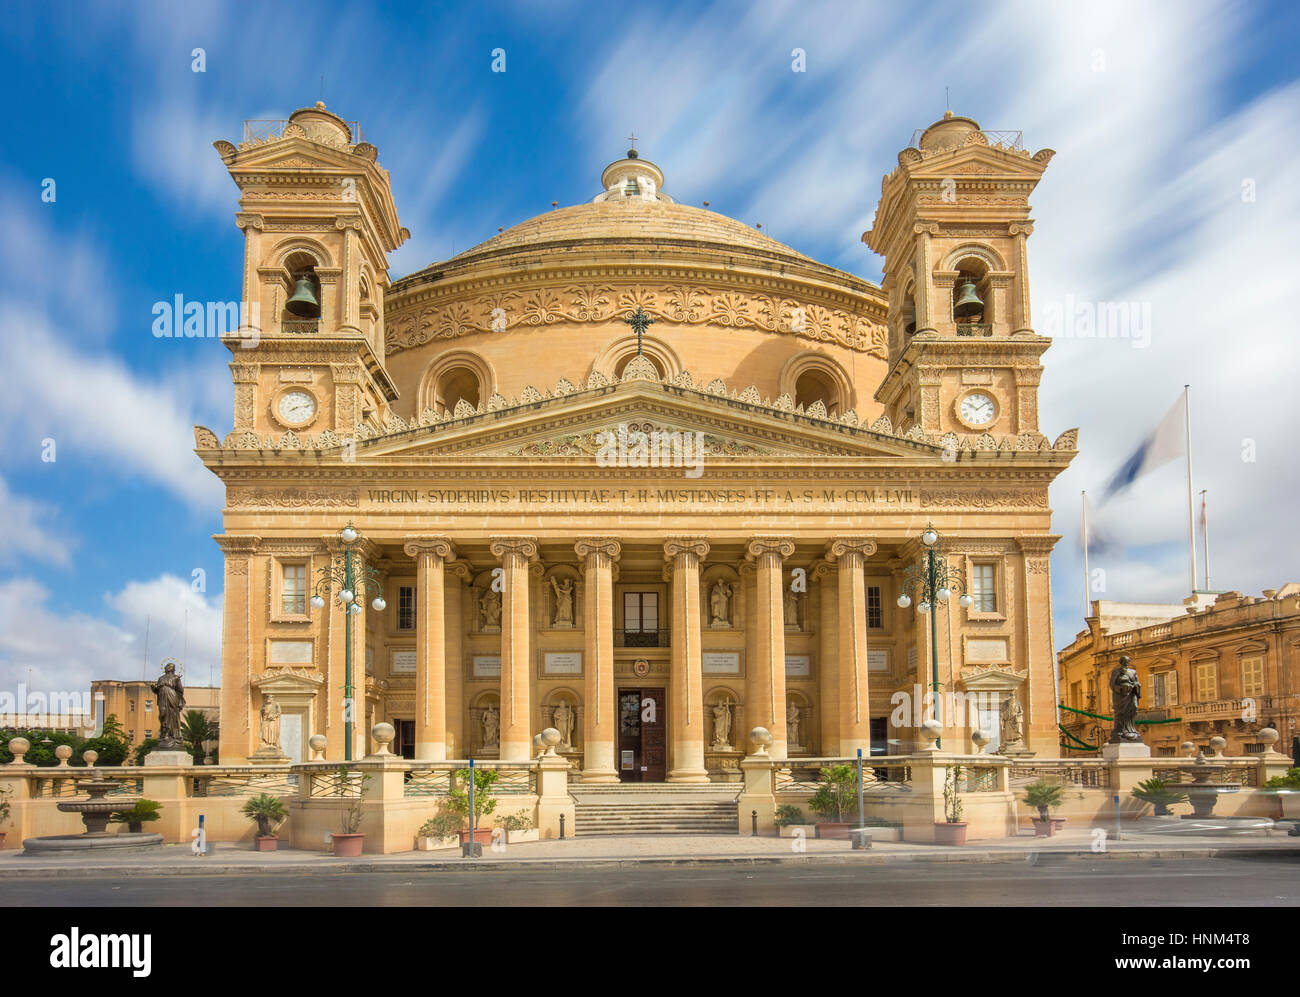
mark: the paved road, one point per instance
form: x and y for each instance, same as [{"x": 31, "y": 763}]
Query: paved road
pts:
[{"x": 1267, "y": 882}]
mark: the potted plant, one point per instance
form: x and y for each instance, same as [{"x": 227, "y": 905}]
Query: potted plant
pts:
[
  {"x": 439, "y": 831},
  {"x": 1042, "y": 795},
  {"x": 837, "y": 792},
  {"x": 268, "y": 813},
  {"x": 1155, "y": 792},
  {"x": 349, "y": 842},
  {"x": 953, "y": 829},
  {"x": 5, "y": 792},
  {"x": 790, "y": 821},
  {"x": 134, "y": 819},
  {"x": 518, "y": 827},
  {"x": 484, "y": 802}
]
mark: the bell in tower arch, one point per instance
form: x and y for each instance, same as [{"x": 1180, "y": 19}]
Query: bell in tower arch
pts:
[
  {"x": 304, "y": 303},
  {"x": 968, "y": 303}
]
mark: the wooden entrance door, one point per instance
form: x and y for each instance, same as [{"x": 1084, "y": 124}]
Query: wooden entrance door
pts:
[{"x": 642, "y": 735}]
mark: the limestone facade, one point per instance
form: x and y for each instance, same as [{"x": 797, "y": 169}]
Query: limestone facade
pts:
[{"x": 677, "y": 545}]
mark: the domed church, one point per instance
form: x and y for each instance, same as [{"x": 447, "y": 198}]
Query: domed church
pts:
[{"x": 635, "y": 471}]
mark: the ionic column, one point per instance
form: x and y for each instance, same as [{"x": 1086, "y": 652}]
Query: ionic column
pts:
[
  {"x": 855, "y": 704},
  {"x": 516, "y": 553},
  {"x": 686, "y": 712},
  {"x": 431, "y": 555},
  {"x": 768, "y": 665},
  {"x": 457, "y": 573},
  {"x": 600, "y": 733},
  {"x": 826, "y": 574}
]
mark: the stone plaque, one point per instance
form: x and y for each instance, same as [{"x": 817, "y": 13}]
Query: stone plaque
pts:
[
  {"x": 720, "y": 662},
  {"x": 291, "y": 652},
  {"x": 798, "y": 665},
  {"x": 402, "y": 663},
  {"x": 987, "y": 650},
  {"x": 562, "y": 663},
  {"x": 878, "y": 661},
  {"x": 486, "y": 666}
]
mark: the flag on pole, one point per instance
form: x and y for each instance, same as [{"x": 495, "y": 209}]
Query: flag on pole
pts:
[{"x": 1164, "y": 444}]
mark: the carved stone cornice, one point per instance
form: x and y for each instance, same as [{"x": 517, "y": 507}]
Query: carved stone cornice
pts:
[
  {"x": 1037, "y": 545},
  {"x": 689, "y": 547},
  {"x": 236, "y": 545},
  {"x": 437, "y": 547},
  {"x": 247, "y": 219}
]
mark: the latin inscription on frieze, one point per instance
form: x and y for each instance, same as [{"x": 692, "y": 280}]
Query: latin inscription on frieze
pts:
[{"x": 542, "y": 499}]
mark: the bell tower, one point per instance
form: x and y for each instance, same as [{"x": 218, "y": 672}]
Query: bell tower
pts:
[
  {"x": 319, "y": 221},
  {"x": 952, "y": 225}
]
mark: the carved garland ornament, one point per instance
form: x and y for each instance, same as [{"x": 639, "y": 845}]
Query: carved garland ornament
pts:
[{"x": 684, "y": 304}]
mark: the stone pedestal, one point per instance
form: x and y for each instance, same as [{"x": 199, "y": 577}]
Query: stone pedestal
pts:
[
  {"x": 264, "y": 755},
  {"x": 1125, "y": 749},
  {"x": 172, "y": 758},
  {"x": 1017, "y": 751}
]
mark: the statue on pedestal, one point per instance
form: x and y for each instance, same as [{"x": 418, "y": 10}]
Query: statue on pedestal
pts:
[
  {"x": 791, "y": 601},
  {"x": 1125, "y": 691},
  {"x": 270, "y": 731},
  {"x": 722, "y": 723},
  {"x": 489, "y": 607},
  {"x": 720, "y": 605},
  {"x": 563, "y": 589},
  {"x": 171, "y": 701},
  {"x": 491, "y": 727},
  {"x": 562, "y": 720},
  {"x": 1013, "y": 723},
  {"x": 792, "y": 713}
]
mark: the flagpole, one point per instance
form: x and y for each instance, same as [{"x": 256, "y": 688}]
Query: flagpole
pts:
[
  {"x": 1087, "y": 603},
  {"x": 1191, "y": 505},
  {"x": 1205, "y": 539}
]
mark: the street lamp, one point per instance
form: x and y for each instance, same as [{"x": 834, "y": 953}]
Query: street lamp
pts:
[
  {"x": 933, "y": 580},
  {"x": 353, "y": 583}
]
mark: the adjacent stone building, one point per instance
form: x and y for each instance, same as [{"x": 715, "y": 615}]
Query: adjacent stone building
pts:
[
  {"x": 1221, "y": 666},
  {"x": 632, "y": 469}
]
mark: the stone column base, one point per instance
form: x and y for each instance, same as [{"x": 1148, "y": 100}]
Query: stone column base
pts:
[
  {"x": 172, "y": 758},
  {"x": 1125, "y": 749}
]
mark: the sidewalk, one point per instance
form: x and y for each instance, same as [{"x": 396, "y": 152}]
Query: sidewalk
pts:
[{"x": 664, "y": 850}]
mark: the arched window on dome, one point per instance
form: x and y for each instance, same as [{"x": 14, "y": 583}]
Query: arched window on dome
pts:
[
  {"x": 814, "y": 385},
  {"x": 456, "y": 384},
  {"x": 621, "y": 364}
]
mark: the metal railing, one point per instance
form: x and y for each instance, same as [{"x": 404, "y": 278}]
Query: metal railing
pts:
[
  {"x": 1008, "y": 138},
  {"x": 974, "y": 328},
  {"x": 267, "y": 129},
  {"x": 1084, "y": 773},
  {"x": 642, "y": 638}
]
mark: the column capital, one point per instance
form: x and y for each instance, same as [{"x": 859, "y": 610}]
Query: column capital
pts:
[
  {"x": 838, "y": 547},
  {"x": 439, "y": 547},
  {"x": 758, "y": 546},
  {"x": 460, "y": 568},
  {"x": 525, "y": 547},
  {"x": 673, "y": 546},
  {"x": 584, "y": 547}
]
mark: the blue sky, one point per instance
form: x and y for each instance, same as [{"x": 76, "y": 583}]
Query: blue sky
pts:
[{"x": 1159, "y": 112}]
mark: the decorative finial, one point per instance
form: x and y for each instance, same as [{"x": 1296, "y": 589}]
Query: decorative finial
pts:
[
  {"x": 631, "y": 153},
  {"x": 639, "y": 321}
]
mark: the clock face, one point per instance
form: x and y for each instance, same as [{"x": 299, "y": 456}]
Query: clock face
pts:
[
  {"x": 297, "y": 407},
  {"x": 978, "y": 409}
]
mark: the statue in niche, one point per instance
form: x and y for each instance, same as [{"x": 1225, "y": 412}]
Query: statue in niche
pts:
[
  {"x": 1125, "y": 691},
  {"x": 489, "y": 607},
  {"x": 1013, "y": 723},
  {"x": 270, "y": 728},
  {"x": 562, "y": 720},
  {"x": 491, "y": 721},
  {"x": 722, "y": 723},
  {"x": 792, "y": 714},
  {"x": 791, "y": 609},
  {"x": 720, "y": 605},
  {"x": 171, "y": 702},
  {"x": 563, "y": 588}
]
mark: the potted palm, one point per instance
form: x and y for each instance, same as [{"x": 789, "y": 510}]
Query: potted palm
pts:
[
  {"x": 349, "y": 842},
  {"x": 439, "y": 831},
  {"x": 1156, "y": 792},
  {"x": 484, "y": 802},
  {"x": 268, "y": 813},
  {"x": 837, "y": 791},
  {"x": 135, "y": 817},
  {"x": 1043, "y": 795},
  {"x": 953, "y": 829}
]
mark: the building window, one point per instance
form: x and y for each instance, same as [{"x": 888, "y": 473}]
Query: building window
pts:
[
  {"x": 406, "y": 607},
  {"x": 1252, "y": 676},
  {"x": 1076, "y": 695},
  {"x": 148, "y": 706},
  {"x": 130, "y": 706},
  {"x": 632, "y": 188},
  {"x": 1164, "y": 688},
  {"x": 148, "y": 733},
  {"x": 293, "y": 589},
  {"x": 911, "y": 660},
  {"x": 1207, "y": 682},
  {"x": 640, "y": 619},
  {"x": 983, "y": 578},
  {"x": 1254, "y": 749},
  {"x": 875, "y": 614}
]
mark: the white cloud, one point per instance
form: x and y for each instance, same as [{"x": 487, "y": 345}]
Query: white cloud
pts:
[
  {"x": 27, "y": 533},
  {"x": 66, "y": 650}
]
